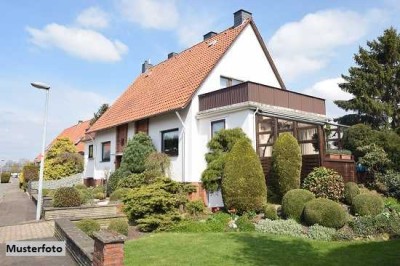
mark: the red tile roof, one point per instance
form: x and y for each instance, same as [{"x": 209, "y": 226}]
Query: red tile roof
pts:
[{"x": 171, "y": 84}]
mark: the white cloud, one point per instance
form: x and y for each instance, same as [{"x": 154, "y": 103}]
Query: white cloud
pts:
[
  {"x": 190, "y": 31},
  {"x": 84, "y": 43},
  {"x": 93, "y": 17},
  {"x": 156, "y": 14},
  {"x": 329, "y": 89},
  {"x": 307, "y": 45}
]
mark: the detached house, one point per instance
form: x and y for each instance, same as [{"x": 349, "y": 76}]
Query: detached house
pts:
[{"x": 228, "y": 80}]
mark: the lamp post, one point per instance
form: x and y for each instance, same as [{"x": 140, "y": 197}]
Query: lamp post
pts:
[
  {"x": 1, "y": 167},
  {"x": 45, "y": 87}
]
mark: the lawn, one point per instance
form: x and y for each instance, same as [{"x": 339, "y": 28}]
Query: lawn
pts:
[{"x": 255, "y": 249}]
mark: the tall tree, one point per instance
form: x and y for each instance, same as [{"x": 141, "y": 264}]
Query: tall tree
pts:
[
  {"x": 102, "y": 109},
  {"x": 375, "y": 83}
]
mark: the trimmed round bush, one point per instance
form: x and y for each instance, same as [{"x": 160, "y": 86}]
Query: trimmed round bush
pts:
[
  {"x": 286, "y": 165},
  {"x": 368, "y": 204},
  {"x": 243, "y": 184},
  {"x": 324, "y": 212},
  {"x": 293, "y": 203},
  {"x": 120, "y": 226},
  {"x": 89, "y": 226},
  {"x": 119, "y": 194},
  {"x": 325, "y": 183},
  {"x": 5, "y": 177},
  {"x": 351, "y": 190},
  {"x": 270, "y": 212},
  {"x": 66, "y": 197}
]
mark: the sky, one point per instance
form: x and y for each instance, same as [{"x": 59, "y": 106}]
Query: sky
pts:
[{"x": 90, "y": 51}]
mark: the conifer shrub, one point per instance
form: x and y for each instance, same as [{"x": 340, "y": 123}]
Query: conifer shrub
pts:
[
  {"x": 286, "y": 165},
  {"x": 351, "y": 190},
  {"x": 325, "y": 183},
  {"x": 120, "y": 226},
  {"x": 324, "y": 212},
  {"x": 368, "y": 204},
  {"x": 114, "y": 178},
  {"x": 66, "y": 197},
  {"x": 243, "y": 185},
  {"x": 195, "y": 207},
  {"x": 89, "y": 226},
  {"x": 119, "y": 193},
  {"x": 293, "y": 203}
]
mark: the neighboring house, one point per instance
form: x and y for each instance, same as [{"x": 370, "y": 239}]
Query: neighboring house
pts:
[
  {"x": 75, "y": 133},
  {"x": 228, "y": 80}
]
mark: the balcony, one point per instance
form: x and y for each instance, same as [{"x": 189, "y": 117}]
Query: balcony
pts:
[{"x": 254, "y": 92}]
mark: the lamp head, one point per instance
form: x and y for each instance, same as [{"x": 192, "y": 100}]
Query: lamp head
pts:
[{"x": 40, "y": 85}]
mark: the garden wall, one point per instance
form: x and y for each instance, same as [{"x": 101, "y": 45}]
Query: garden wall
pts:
[{"x": 81, "y": 212}]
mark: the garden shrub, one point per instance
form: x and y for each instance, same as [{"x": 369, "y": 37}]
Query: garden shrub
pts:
[
  {"x": 351, "y": 190},
  {"x": 392, "y": 204},
  {"x": 319, "y": 232},
  {"x": 391, "y": 182},
  {"x": 270, "y": 212},
  {"x": 120, "y": 226},
  {"x": 368, "y": 204},
  {"x": 195, "y": 207},
  {"x": 281, "y": 227},
  {"x": 21, "y": 179},
  {"x": 98, "y": 189},
  {"x": 155, "y": 206},
  {"x": 132, "y": 181},
  {"x": 324, "y": 212},
  {"x": 99, "y": 195},
  {"x": 217, "y": 222},
  {"x": 345, "y": 233},
  {"x": 244, "y": 224},
  {"x": 46, "y": 192},
  {"x": 114, "y": 178},
  {"x": 293, "y": 203},
  {"x": 89, "y": 226},
  {"x": 243, "y": 185},
  {"x": 221, "y": 143},
  {"x": 158, "y": 163},
  {"x": 357, "y": 136},
  {"x": 119, "y": 194},
  {"x": 86, "y": 195},
  {"x": 286, "y": 165},
  {"x": 80, "y": 186},
  {"x": 384, "y": 223},
  {"x": 30, "y": 172},
  {"x": 5, "y": 177},
  {"x": 375, "y": 159},
  {"x": 66, "y": 197},
  {"x": 325, "y": 183}
]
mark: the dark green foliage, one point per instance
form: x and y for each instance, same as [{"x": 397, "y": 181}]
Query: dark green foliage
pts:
[
  {"x": 324, "y": 212},
  {"x": 62, "y": 160},
  {"x": 286, "y": 165},
  {"x": 66, "y": 197},
  {"x": 102, "y": 109},
  {"x": 368, "y": 204},
  {"x": 270, "y": 212},
  {"x": 221, "y": 144},
  {"x": 351, "y": 190},
  {"x": 325, "y": 183},
  {"x": 244, "y": 224},
  {"x": 374, "y": 82},
  {"x": 114, "y": 178},
  {"x": 218, "y": 222},
  {"x": 375, "y": 158},
  {"x": 358, "y": 136},
  {"x": 119, "y": 193},
  {"x": 135, "y": 153},
  {"x": 30, "y": 172},
  {"x": 366, "y": 226},
  {"x": 293, "y": 203},
  {"x": 392, "y": 204},
  {"x": 132, "y": 181},
  {"x": 5, "y": 177},
  {"x": 155, "y": 206},
  {"x": 120, "y": 226},
  {"x": 243, "y": 185},
  {"x": 89, "y": 226},
  {"x": 195, "y": 207}
]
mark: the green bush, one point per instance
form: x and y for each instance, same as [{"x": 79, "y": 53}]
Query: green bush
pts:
[
  {"x": 243, "y": 185},
  {"x": 375, "y": 159},
  {"x": 270, "y": 212},
  {"x": 120, "y": 226},
  {"x": 98, "y": 189},
  {"x": 99, "y": 195},
  {"x": 89, "y": 226},
  {"x": 5, "y": 177},
  {"x": 368, "y": 204},
  {"x": 195, "y": 207},
  {"x": 351, "y": 190},
  {"x": 218, "y": 222},
  {"x": 281, "y": 227},
  {"x": 66, "y": 197},
  {"x": 357, "y": 136},
  {"x": 293, "y": 203},
  {"x": 392, "y": 204},
  {"x": 325, "y": 183},
  {"x": 286, "y": 165},
  {"x": 324, "y": 212},
  {"x": 244, "y": 224},
  {"x": 384, "y": 223},
  {"x": 114, "y": 178},
  {"x": 119, "y": 194},
  {"x": 391, "y": 183},
  {"x": 221, "y": 143},
  {"x": 319, "y": 232},
  {"x": 80, "y": 186},
  {"x": 132, "y": 181},
  {"x": 48, "y": 192},
  {"x": 159, "y": 163},
  {"x": 86, "y": 195},
  {"x": 30, "y": 172},
  {"x": 345, "y": 233}
]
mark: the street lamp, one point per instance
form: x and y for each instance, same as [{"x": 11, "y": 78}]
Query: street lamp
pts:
[
  {"x": 1, "y": 167},
  {"x": 45, "y": 87}
]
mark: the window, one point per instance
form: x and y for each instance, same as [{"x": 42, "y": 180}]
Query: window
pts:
[
  {"x": 90, "y": 151},
  {"x": 227, "y": 82},
  {"x": 170, "y": 141},
  {"x": 217, "y": 126},
  {"x": 105, "y": 151}
]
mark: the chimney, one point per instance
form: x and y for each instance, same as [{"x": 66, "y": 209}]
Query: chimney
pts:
[
  {"x": 209, "y": 35},
  {"x": 240, "y": 16},
  {"x": 146, "y": 66},
  {"x": 172, "y": 54},
  {"x": 80, "y": 121}
]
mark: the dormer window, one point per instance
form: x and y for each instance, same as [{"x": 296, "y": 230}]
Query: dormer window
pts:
[{"x": 227, "y": 82}]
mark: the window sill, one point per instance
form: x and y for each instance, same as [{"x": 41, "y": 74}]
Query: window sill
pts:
[{"x": 105, "y": 161}]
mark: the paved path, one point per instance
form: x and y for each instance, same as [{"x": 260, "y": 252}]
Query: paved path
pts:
[{"x": 27, "y": 231}]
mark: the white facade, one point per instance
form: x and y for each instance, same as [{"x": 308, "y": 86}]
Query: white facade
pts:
[{"x": 245, "y": 60}]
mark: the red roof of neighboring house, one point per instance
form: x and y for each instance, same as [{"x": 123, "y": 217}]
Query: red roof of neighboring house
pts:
[{"x": 171, "y": 84}]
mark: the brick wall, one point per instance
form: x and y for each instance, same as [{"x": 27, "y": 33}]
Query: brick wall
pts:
[{"x": 51, "y": 213}]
